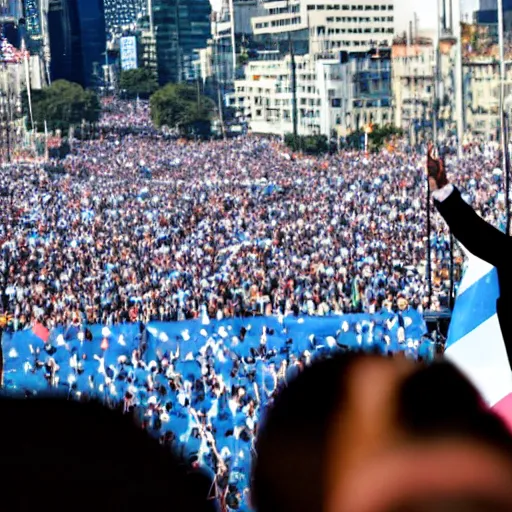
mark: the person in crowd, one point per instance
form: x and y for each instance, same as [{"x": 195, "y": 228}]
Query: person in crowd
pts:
[{"x": 359, "y": 432}]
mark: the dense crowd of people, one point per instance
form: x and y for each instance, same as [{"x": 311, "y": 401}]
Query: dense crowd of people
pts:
[{"x": 138, "y": 228}]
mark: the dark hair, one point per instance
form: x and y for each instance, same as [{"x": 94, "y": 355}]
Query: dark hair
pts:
[
  {"x": 288, "y": 471},
  {"x": 90, "y": 458},
  {"x": 291, "y": 445}
]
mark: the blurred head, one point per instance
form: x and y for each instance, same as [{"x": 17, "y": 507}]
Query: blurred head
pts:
[
  {"x": 90, "y": 458},
  {"x": 362, "y": 433}
]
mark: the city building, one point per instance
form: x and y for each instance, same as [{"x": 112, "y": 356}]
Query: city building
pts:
[
  {"x": 77, "y": 40},
  {"x": 328, "y": 27},
  {"x": 146, "y": 44},
  {"x": 32, "y": 14},
  {"x": 414, "y": 81},
  {"x": 10, "y": 30},
  {"x": 65, "y": 41},
  {"x": 13, "y": 8},
  {"x": 165, "y": 22},
  {"x": 120, "y": 14},
  {"x": 94, "y": 42},
  {"x": 487, "y": 15},
  {"x": 369, "y": 77},
  {"x": 181, "y": 28},
  {"x": 194, "y": 31},
  {"x": 482, "y": 96},
  {"x": 334, "y": 96}
]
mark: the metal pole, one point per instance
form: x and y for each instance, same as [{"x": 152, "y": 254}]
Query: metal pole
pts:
[
  {"x": 233, "y": 36},
  {"x": 452, "y": 276},
  {"x": 217, "y": 72},
  {"x": 294, "y": 80},
  {"x": 429, "y": 251},
  {"x": 459, "y": 88},
  {"x": 437, "y": 73},
  {"x": 507, "y": 171},
  {"x": 503, "y": 117}
]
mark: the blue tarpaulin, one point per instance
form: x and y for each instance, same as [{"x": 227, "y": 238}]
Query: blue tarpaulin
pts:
[{"x": 97, "y": 361}]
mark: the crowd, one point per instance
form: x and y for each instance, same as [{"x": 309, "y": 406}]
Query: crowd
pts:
[{"x": 139, "y": 229}]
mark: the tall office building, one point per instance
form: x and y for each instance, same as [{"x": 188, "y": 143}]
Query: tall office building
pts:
[
  {"x": 65, "y": 41},
  {"x": 77, "y": 40},
  {"x": 12, "y": 8},
  {"x": 165, "y": 21},
  {"x": 181, "y": 27},
  {"x": 194, "y": 30},
  {"x": 122, "y": 13},
  {"x": 32, "y": 15},
  {"x": 487, "y": 15},
  {"x": 91, "y": 17}
]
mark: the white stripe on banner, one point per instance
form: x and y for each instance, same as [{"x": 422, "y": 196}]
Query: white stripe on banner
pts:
[
  {"x": 475, "y": 270},
  {"x": 482, "y": 356},
  {"x": 475, "y": 343}
]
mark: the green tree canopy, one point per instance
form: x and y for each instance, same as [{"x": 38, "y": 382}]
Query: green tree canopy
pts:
[
  {"x": 309, "y": 144},
  {"x": 140, "y": 82},
  {"x": 180, "y": 106},
  {"x": 61, "y": 105}
]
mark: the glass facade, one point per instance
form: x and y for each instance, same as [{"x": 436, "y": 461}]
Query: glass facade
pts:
[
  {"x": 94, "y": 41},
  {"x": 121, "y": 13},
  {"x": 165, "y": 18},
  {"x": 194, "y": 32},
  {"x": 181, "y": 26},
  {"x": 77, "y": 40},
  {"x": 33, "y": 18},
  {"x": 65, "y": 41}
]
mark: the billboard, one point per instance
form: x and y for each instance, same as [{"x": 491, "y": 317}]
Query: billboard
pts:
[{"x": 128, "y": 53}]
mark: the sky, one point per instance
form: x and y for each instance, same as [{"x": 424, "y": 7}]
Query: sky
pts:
[
  {"x": 405, "y": 9},
  {"x": 426, "y": 11}
]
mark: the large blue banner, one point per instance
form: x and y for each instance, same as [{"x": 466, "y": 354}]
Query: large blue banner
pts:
[{"x": 185, "y": 377}]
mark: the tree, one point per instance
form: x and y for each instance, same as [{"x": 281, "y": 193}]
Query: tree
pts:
[
  {"x": 379, "y": 136},
  {"x": 182, "y": 107},
  {"x": 61, "y": 105},
  {"x": 140, "y": 82},
  {"x": 309, "y": 144}
]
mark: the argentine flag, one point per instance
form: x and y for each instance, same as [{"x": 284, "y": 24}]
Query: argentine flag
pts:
[{"x": 475, "y": 343}]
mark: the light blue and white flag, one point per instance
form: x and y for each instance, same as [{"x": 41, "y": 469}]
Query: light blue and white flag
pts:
[{"x": 475, "y": 342}]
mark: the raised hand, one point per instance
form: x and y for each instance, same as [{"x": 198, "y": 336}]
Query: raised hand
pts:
[{"x": 436, "y": 169}]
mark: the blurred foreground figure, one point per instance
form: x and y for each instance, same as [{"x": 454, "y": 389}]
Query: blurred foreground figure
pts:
[
  {"x": 360, "y": 433},
  {"x": 64, "y": 455}
]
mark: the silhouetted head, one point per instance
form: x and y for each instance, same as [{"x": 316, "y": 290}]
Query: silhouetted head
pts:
[
  {"x": 362, "y": 433},
  {"x": 82, "y": 456}
]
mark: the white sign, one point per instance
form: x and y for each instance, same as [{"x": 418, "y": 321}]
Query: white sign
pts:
[{"x": 128, "y": 53}]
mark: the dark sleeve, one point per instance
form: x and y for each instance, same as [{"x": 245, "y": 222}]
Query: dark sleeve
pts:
[{"x": 475, "y": 234}]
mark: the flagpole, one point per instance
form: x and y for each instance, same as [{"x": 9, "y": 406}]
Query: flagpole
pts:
[
  {"x": 459, "y": 88},
  {"x": 503, "y": 116}
]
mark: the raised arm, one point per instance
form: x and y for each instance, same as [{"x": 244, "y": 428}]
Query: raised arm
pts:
[{"x": 478, "y": 236}]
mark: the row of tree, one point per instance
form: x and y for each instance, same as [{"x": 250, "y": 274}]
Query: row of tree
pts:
[
  {"x": 65, "y": 104},
  {"x": 180, "y": 107}
]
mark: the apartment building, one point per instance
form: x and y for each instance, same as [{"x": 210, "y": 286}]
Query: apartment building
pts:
[
  {"x": 333, "y": 96},
  {"x": 414, "y": 81},
  {"x": 329, "y": 26},
  {"x": 482, "y": 96}
]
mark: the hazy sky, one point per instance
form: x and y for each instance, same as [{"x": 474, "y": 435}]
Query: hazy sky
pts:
[
  {"x": 405, "y": 9},
  {"x": 426, "y": 10}
]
